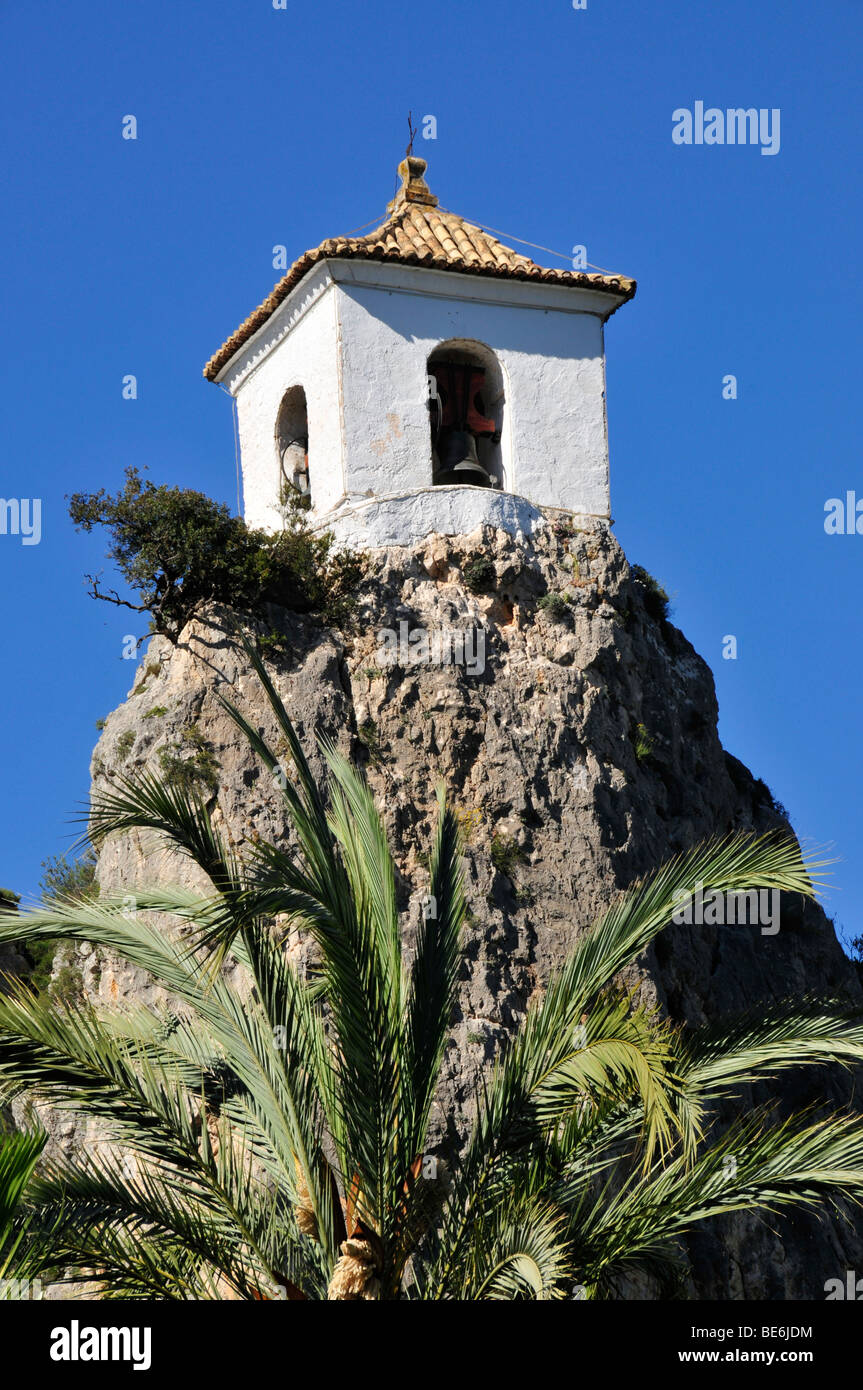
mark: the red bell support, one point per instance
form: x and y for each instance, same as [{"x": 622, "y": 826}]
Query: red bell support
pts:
[{"x": 460, "y": 389}]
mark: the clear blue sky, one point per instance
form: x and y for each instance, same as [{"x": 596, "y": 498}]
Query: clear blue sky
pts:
[{"x": 259, "y": 126}]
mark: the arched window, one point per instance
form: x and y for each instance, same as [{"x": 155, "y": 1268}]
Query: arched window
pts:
[
  {"x": 466, "y": 407},
  {"x": 292, "y": 442}
]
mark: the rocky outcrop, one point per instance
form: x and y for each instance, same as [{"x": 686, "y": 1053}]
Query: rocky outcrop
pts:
[{"x": 578, "y": 741}]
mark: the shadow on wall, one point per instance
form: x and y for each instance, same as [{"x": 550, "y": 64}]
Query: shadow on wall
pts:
[{"x": 513, "y": 328}]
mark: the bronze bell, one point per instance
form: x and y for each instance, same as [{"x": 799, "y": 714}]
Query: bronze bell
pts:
[
  {"x": 295, "y": 464},
  {"x": 458, "y": 460}
]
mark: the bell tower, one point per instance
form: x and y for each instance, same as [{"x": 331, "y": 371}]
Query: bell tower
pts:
[{"x": 424, "y": 377}]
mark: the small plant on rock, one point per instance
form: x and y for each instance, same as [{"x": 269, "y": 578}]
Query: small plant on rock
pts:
[
  {"x": 555, "y": 606},
  {"x": 367, "y": 733},
  {"x": 125, "y": 744},
  {"x": 479, "y": 574},
  {"x": 505, "y": 854},
  {"x": 643, "y": 743},
  {"x": 656, "y": 600},
  {"x": 192, "y": 762}
]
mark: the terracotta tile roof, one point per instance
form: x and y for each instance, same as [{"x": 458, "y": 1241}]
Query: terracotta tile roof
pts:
[{"x": 418, "y": 232}]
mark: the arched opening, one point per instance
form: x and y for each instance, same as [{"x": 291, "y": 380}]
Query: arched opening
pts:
[
  {"x": 292, "y": 442},
  {"x": 466, "y": 403}
]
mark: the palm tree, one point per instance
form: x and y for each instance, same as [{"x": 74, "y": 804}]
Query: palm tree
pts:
[
  {"x": 273, "y": 1143},
  {"x": 19, "y": 1154}
]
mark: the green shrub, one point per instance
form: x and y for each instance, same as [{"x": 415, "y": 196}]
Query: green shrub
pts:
[
  {"x": 67, "y": 984},
  {"x": 64, "y": 878},
  {"x": 178, "y": 549},
  {"x": 656, "y": 600},
  {"x": 505, "y": 854},
  {"x": 157, "y": 712},
  {"x": 643, "y": 743},
  {"x": 367, "y": 733},
  {"x": 41, "y": 957},
  {"x": 125, "y": 744},
  {"x": 478, "y": 574},
  {"x": 555, "y": 606},
  {"x": 61, "y": 878},
  {"x": 191, "y": 762},
  {"x": 764, "y": 794}
]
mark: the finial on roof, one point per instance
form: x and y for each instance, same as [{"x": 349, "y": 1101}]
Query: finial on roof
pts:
[{"x": 414, "y": 188}]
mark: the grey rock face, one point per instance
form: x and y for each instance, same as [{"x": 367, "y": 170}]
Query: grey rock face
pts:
[{"x": 579, "y": 744}]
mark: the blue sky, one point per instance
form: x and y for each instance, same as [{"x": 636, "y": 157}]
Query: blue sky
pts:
[{"x": 259, "y": 126}]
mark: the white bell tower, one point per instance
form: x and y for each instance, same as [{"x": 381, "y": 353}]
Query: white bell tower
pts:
[{"x": 423, "y": 378}]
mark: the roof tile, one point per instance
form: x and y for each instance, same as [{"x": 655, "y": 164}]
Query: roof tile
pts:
[{"x": 416, "y": 232}]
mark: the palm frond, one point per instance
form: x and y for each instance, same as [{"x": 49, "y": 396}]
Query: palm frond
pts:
[
  {"x": 519, "y": 1250},
  {"x": 797, "y": 1032},
  {"x": 19, "y": 1154},
  {"x": 730, "y": 865},
  {"x": 173, "y": 810},
  {"x": 754, "y": 1165}
]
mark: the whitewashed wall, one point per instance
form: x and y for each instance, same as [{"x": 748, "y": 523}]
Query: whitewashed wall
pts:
[
  {"x": 444, "y": 511},
  {"x": 298, "y": 346},
  {"x": 357, "y": 337},
  {"x": 555, "y": 449}
]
